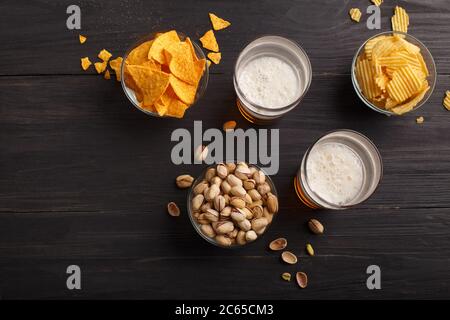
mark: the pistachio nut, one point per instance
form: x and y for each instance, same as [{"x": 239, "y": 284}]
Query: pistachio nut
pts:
[
  {"x": 260, "y": 231},
  {"x": 310, "y": 249},
  {"x": 210, "y": 173},
  {"x": 254, "y": 194},
  {"x": 200, "y": 187},
  {"x": 219, "y": 203},
  {"x": 237, "y": 216},
  {"x": 249, "y": 184},
  {"x": 233, "y": 234},
  {"x": 259, "y": 177},
  {"x": 238, "y": 191},
  {"x": 257, "y": 211},
  {"x": 233, "y": 180},
  {"x": 286, "y": 276},
  {"x": 231, "y": 166},
  {"x": 208, "y": 230},
  {"x": 173, "y": 209},
  {"x": 315, "y": 226},
  {"x": 226, "y": 187},
  {"x": 263, "y": 189},
  {"x": 240, "y": 238},
  {"x": 259, "y": 223},
  {"x": 248, "y": 213},
  {"x": 289, "y": 257},
  {"x": 184, "y": 181},
  {"x": 212, "y": 192},
  {"x": 229, "y": 125},
  {"x": 205, "y": 206},
  {"x": 237, "y": 202},
  {"x": 245, "y": 225},
  {"x": 272, "y": 203},
  {"x": 216, "y": 180},
  {"x": 302, "y": 279},
  {"x": 242, "y": 172},
  {"x": 278, "y": 244},
  {"x": 222, "y": 170},
  {"x": 211, "y": 215},
  {"x": 201, "y": 153},
  {"x": 248, "y": 200},
  {"x": 223, "y": 240},
  {"x": 223, "y": 227},
  {"x": 226, "y": 212},
  {"x": 250, "y": 236},
  {"x": 197, "y": 202}
]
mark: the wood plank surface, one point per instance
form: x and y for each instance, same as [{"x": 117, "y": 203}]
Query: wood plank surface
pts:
[{"x": 85, "y": 177}]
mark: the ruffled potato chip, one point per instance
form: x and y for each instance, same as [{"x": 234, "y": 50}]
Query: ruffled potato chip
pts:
[
  {"x": 156, "y": 51},
  {"x": 377, "y": 2},
  {"x": 209, "y": 41},
  {"x": 105, "y": 55},
  {"x": 404, "y": 84},
  {"x": 408, "y": 106},
  {"x": 85, "y": 63},
  {"x": 446, "y": 102},
  {"x": 400, "y": 20},
  {"x": 218, "y": 23},
  {"x": 215, "y": 57}
]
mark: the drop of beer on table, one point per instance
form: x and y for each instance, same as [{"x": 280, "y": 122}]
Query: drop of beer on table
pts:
[{"x": 269, "y": 82}]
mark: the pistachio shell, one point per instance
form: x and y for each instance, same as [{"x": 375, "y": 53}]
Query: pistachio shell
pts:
[
  {"x": 173, "y": 209},
  {"x": 278, "y": 244},
  {"x": 302, "y": 279},
  {"x": 289, "y": 257}
]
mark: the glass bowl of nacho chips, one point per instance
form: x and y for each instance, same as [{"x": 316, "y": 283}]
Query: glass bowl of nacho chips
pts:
[
  {"x": 393, "y": 73},
  {"x": 163, "y": 74}
]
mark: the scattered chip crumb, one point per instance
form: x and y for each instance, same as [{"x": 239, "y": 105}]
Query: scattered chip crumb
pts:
[
  {"x": 104, "y": 55},
  {"x": 209, "y": 41},
  {"x": 208, "y": 62},
  {"x": 100, "y": 66},
  {"x": 116, "y": 65},
  {"x": 107, "y": 75},
  {"x": 82, "y": 39},
  {"x": 377, "y": 2},
  {"x": 447, "y": 100},
  {"x": 420, "y": 120},
  {"x": 218, "y": 23},
  {"x": 215, "y": 57},
  {"x": 85, "y": 63},
  {"x": 355, "y": 14}
]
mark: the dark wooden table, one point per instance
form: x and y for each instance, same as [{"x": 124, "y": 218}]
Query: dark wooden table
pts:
[{"x": 85, "y": 177}]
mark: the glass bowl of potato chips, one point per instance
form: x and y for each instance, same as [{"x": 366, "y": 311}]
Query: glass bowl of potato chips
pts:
[
  {"x": 165, "y": 73},
  {"x": 393, "y": 73}
]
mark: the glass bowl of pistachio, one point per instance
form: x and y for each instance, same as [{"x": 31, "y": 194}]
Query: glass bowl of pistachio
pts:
[{"x": 232, "y": 204}]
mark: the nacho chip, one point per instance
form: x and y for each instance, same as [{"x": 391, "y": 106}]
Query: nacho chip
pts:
[
  {"x": 176, "y": 109},
  {"x": 191, "y": 46},
  {"x": 116, "y": 65},
  {"x": 82, "y": 39},
  {"x": 355, "y": 14},
  {"x": 107, "y": 75},
  {"x": 218, "y": 23},
  {"x": 184, "y": 91},
  {"x": 377, "y": 2},
  {"x": 400, "y": 20},
  {"x": 160, "y": 43},
  {"x": 152, "y": 83},
  {"x": 215, "y": 57},
  {"x": 181, "y": 62},
  {"x": 447, "y": 100},
  {"x": 104, "y": 55},
  {"x": 152, "y": 64},
  {"x": 209, "y": 41},
  {"x": 85, "y": 63},
  {"x": 100, "y": 66},
  {"x": 130, "y": 83},
  {"x": 139, "y": 54}
]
